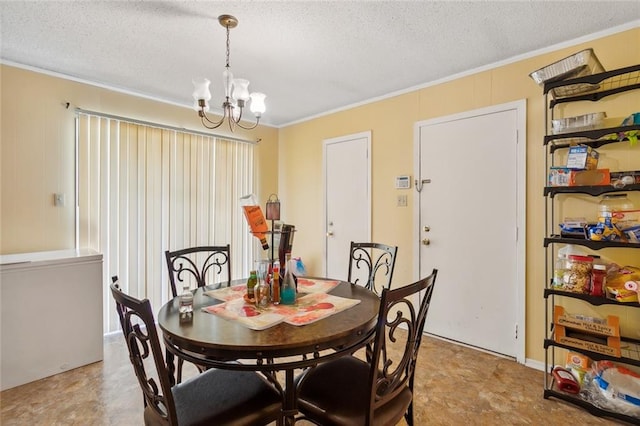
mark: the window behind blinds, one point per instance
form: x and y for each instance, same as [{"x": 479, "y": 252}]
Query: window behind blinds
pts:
[{"x": 144, "y": 189}]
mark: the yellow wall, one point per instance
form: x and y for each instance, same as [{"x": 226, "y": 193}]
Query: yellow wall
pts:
[
  {"x": 37, "y": 157},
  {"x": 391, "y": 123},
  {"x": 38, "y": 152}
]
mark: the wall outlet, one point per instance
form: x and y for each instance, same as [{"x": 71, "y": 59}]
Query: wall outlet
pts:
[{"x": 402, "y": 201}]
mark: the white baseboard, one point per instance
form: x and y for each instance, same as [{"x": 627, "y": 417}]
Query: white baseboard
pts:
[{"x": 538, "y": 365}]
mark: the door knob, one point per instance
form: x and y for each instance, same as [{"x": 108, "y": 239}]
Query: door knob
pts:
[{"x": 426, "y": 241}]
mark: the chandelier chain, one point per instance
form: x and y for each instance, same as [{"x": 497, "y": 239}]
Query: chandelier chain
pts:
[{"x": 228, "y": 46}]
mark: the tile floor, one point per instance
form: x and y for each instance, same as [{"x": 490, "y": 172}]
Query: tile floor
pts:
[{"x": 455, "y": 386}]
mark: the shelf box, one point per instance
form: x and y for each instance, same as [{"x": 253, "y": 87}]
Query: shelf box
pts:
[
  {"x": 609, "y": 345},
  {"x": 610, "y": 329}
]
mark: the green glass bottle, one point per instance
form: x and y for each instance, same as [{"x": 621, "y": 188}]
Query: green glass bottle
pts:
[{"x": 251, "y": 283}]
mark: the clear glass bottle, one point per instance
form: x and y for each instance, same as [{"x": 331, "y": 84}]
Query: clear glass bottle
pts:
[
  {"x": 186, "y": 300},
  {"x": 288, "y": 285},
  {"x": 261, "y": 290}
]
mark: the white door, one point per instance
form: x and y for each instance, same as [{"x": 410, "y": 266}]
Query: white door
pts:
[
  {"x": 471, "y": 225},
  {"x": 347, "y": 180}
]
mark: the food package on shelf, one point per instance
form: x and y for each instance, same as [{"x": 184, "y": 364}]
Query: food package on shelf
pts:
[
  {"x": 616, "y": 280},
  {"x": 589, "y": 177},
  {"x": 632, "y": 234},
  {"x": 573, "y": 227},
  {"x": 559, "y": 176},
  {"x": 604, "y": 230},
  {"x": 614, "y": 387},
  {"x": 582, "y": 157},
  {"x": 621, "y": 179},
  {"x": 609, "y": 326},
  {"x": 618, "y": 219},
  {"x": 573, "y": 274},
  {"x": 631, "y": 119},
  {"x": 580, "y": 64},
  {"x": 578, "y": 364},
  {"x": 565, "y": 380},
  {"x": 564, "y": 176},
  {"x": 578, "y": 123}
]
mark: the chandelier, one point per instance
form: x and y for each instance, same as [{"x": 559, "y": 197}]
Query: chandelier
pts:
[{"x": 236, "y": 92}]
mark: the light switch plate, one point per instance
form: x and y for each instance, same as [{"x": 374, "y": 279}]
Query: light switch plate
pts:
[{"x": 58, "y": 199}]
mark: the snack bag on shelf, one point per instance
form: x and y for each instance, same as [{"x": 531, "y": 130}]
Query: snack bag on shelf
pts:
[
  {"x": 616, "y": 281},
  {"x": 614, "y": 387},
  {"x": 605, "y": 230}
]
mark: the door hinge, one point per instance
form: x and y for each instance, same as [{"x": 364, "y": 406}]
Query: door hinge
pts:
[{"x": 516, "y": 331}]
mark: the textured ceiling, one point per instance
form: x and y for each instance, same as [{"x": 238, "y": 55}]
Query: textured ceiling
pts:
[{"x": 309, "y": 57}]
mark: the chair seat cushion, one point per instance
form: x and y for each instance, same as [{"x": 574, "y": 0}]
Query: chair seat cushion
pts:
[
  {"x": 221, "y": 397},
  {"x": 337, "y": 393}
]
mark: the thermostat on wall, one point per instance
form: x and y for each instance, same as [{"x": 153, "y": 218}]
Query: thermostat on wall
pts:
[{"x": 403, "y": 182}]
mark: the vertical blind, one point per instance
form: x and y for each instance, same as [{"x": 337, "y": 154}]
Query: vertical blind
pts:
[{"x": 144, "y": 189}]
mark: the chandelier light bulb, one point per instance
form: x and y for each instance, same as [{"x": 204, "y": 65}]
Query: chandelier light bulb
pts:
[
  {"x": 201, "y": 89},
  {"x": 258, "y": 106},
  {"x": 241, "y": 89}
]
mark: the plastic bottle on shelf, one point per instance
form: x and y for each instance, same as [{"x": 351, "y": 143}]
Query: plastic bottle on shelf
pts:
[
  {"x": 617, "y": 212},
  {"x": 598, "y": 278},
  {"x": 562, "y": 269},
  {"x": 255, "y": 219},
  {"x": 612, "y": 203},
  {"x": 579, "y": 276}
]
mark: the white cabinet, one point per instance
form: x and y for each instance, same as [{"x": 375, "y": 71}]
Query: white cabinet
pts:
[{"x": 51, "y": 314}]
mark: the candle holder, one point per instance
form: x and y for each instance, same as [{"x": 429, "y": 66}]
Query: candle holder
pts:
[
  {"x": 273, "y": 208},
  {"x": 273, "y": 214}
]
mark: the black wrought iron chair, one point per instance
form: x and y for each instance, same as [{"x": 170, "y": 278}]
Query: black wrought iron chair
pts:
[
  {"x": 198, "y": 267},
  {"x": 204, "y": 265},
  {"x": 215, "y": 397},
  {"x": 371, "y": 265},
  {"x": 350, "y": 391}
]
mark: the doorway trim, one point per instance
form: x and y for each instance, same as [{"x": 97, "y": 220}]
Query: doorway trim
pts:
[{"x": 520, "y": 106}]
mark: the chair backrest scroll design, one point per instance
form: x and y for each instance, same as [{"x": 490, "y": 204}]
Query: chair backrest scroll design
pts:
[
  {"x": 138, "y": 327},
  {"x": 392, "y": 371},
  {"x": 374, "y": 262},
  {"x": 185, "y": 265}
]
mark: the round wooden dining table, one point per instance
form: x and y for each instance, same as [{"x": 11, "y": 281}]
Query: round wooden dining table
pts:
[{"x": 212, "y": 341}]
